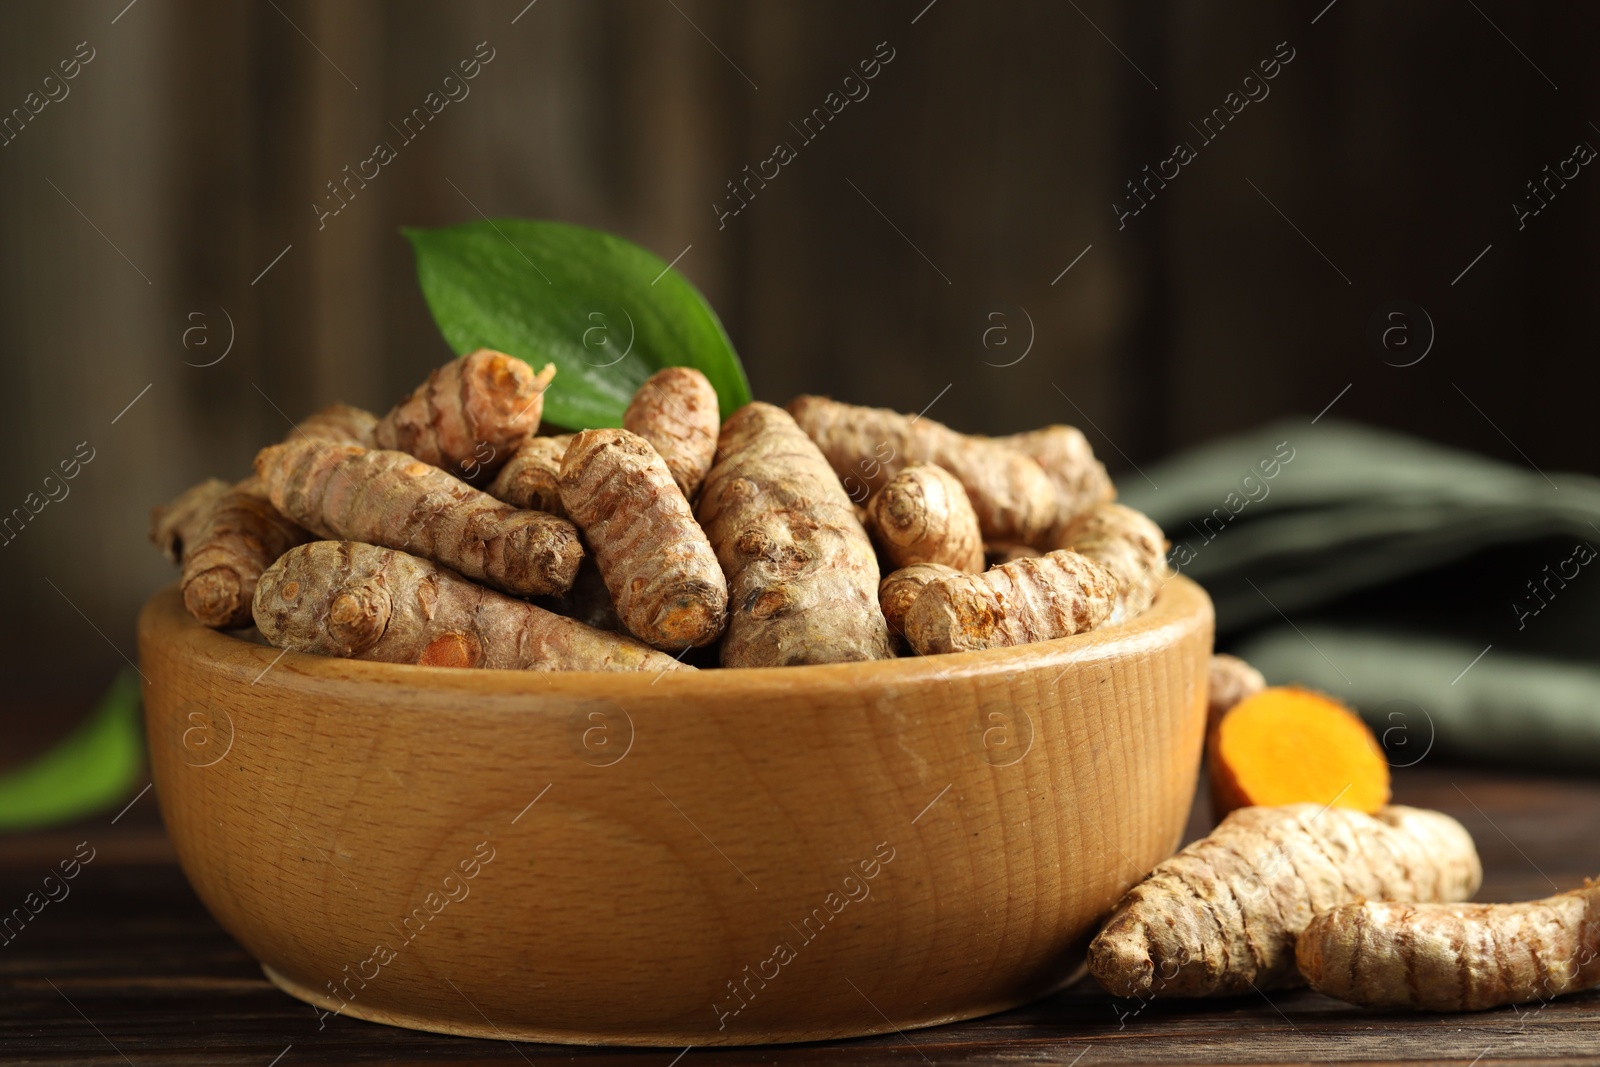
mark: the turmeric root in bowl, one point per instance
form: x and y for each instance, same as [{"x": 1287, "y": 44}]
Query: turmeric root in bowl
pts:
[{"x": 675, "y": 857}]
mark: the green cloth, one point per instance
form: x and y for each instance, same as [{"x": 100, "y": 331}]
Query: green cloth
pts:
[{"x": 1454, "y": 599}]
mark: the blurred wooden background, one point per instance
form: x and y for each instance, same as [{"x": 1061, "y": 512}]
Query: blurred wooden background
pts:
[{"x": 189, "y": 150}]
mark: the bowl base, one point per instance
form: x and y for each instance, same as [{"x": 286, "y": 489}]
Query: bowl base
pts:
[{"x": 458, "y": 1027}]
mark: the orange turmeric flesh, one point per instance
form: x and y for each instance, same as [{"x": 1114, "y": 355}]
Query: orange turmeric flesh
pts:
[{"x": 1291, "y": 746}]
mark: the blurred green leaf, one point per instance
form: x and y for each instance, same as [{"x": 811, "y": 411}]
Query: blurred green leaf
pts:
[
  {"x": 90, "y": 770},
  {"x": 606, "y": 312}
]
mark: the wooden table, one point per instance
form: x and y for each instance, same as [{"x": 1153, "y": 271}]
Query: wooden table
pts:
[{"x": 130, "y": 969}]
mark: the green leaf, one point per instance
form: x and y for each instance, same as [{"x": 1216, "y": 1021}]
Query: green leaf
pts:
[
  {"x": 607, "y": 313},
  {"x": 91, "y": 769}
]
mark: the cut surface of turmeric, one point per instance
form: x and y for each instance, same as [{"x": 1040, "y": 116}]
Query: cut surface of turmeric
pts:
[{"x": 1291, "y": 746}]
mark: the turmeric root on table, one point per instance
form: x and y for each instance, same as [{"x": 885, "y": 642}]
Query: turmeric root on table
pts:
[
  {"x": 1065, "y": 454},
  {"x": 663, "y": 575},
  {"x": 1454, "y": 957},
  {"x": 175, "y": 525},
  {"x": 1013, "y": 496},
  {"x": 343, "y": 598},
  {"x": 1290, "y": 746},
  {"x": 900, "y": 589},
  {"x": 1221, "y": 917},
  {"x": 1129, "y": 545},
  {"x": 242, "y": 533},
  {"x": 1055, "y": 595},
  {"x": 922, "y": 515},
  {"x": 470, "y": 415},
  {"x": 394, "y": 500},
  {"x": 802, "y": 575},
  {"x": 532, "y": 479},
  {"x": 676, "y": 411},
  {"x": 1231, "y": 680}
]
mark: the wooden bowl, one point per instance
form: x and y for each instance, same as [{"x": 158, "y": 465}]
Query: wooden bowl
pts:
[{"x": 726, "y": 857}]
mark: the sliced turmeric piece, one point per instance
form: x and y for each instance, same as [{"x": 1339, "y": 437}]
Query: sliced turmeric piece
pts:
[{"x": 1286, "y": 745}]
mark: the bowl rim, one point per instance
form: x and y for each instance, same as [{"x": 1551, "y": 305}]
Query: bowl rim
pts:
[{"x": 164, "y": 621}]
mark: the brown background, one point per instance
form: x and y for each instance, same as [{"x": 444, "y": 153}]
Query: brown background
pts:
[{"x": 996, "y": 141}]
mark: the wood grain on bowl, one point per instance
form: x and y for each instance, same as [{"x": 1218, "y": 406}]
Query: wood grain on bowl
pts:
[{"x": 725, "y": 857}]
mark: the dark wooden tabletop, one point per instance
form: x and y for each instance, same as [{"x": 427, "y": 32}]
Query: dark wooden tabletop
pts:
[{"x": 130, "y": 969}]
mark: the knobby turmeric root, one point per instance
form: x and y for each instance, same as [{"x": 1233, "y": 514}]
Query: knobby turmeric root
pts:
[
  {"x": 391, "y": 499},
  {"x": 1055, "y": 595},
  {"x": 470, "y": 415},
  {"x": 1231, "y": 681},
  {"x": 1289, "y": 746},
  {"x": 342, "y": 598},
  {"x": 922, "y": 515},
  {"x": 532, "y": 479},
  {"x": 1129, "y": 545},
  {"x": 663, "y": 576},
  {"x": 1221, "y": 917},
  {"x": 241, "y": 537},
  {"x": 1013, "y": 496},
  {"x": 243, "y": 532},
  {"x": 341, "y": 423},
  {"x": 676, "y": 411},
  {"x": 176, "y": 524},
  {"x": 900, "y": 589},
  {"x": 802, "y": 575},
  {"x": 1081, "y": 480},
  {"x": 1454, "y": 957}
]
